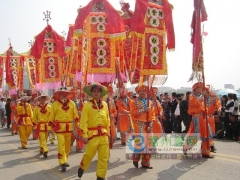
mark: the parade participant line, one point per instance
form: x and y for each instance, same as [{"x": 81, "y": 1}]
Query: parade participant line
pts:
[{"x": 34, "y": 160}]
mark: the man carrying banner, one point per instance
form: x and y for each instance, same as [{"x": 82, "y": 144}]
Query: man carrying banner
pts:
[
  {"x": 51, "y": 133},
  {"x": 157, "y": 126},
  {"x": 63, "y": 112},
  {"x": 77, "y": 134},
  {"x": 196, "y": 109},
  {"x": 143, "y": 115},
  {"x": 113, "y": 114},
  {"x": 95, "y": 126},
  {"x": 41, "y": 116},
  {"x": 14, "y": 117},
  {"x": 124, "y": 122},
  {"x": 24, "y": 122},
  {"x": 213, "y": 105}
]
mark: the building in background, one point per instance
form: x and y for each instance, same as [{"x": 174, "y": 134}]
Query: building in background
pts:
[
  {"x": 228, "y": 86},
  {"x": 238, "y": 90}
]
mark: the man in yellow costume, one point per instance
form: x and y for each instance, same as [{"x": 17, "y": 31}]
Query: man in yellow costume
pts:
[
  {"x": 63, "y": 112},
  {"x": 95, "y": 126},
  {"x": 25, "y": 116},
  {"x": 51, "y": 133},
  {"x": 41, "y": 115}
]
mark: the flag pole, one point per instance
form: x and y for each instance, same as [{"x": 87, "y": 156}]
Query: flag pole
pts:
[{"x": 204, "y": 97}]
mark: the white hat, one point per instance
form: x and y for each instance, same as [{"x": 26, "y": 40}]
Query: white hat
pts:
[
  {"x": 42, "y": 95},
  {"x": 56, "y": 95},
  {"x": 25, "y": 98}
]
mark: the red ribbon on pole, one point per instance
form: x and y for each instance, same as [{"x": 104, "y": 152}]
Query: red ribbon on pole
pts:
[{"x": 7, "y": 65}]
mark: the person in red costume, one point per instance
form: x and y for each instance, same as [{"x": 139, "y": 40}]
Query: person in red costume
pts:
[
  {"x": 143, "y": 116},
  {"x": 196, "y": 108},
  {"x": 213, "y": 105}
]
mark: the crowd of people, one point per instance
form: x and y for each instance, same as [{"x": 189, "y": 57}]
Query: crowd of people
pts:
[
  {"x": 93, "y": 119},
  {"x": 176, "y": 112}
]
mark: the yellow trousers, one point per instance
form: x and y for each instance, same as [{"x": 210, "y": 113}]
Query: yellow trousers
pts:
[
  {"x": 101, "y": 145},
  {"x": 43, "y": 136},
  {"x": 64, "y": 145},
  {"x": 24, "y": 133},
  {"x": 53, "y": 136}
]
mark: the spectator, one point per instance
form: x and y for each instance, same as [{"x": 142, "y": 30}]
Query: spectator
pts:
[
  {"x": 173, "y": 105},
  {"x": 182, "y": 95},
  {"x": 167, "y": 125},
  {"x": 166, "y": 116},
  {"x": 177, "y": 116},
  {"x": 165, "y": 96},
  {"x": 228, "y": 111},
  {"x": 234, "y": 127},
  {"x": 161, "y": 98},
  {"x": 178, "y": 95},
  {"x": 8, "y": 112},
  {"x": 219, "y": 127},
  {"x": 186, "y": 118},
  {"x": 2, "y": 111},
  {"x": 223, "y": 103},
  {"x": 236, "y": 105}
]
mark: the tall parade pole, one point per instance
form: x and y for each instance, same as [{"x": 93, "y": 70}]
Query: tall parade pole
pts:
[
  {"x": 30, "y": 44},
  {"x": 199, "y": 16}
]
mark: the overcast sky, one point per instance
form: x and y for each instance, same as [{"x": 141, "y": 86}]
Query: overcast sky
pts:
[{"x": 21, "y": 20}]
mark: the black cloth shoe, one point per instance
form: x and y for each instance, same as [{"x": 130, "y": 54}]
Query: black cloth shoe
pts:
[
  {"x": 207, "y": 156},
  {"x": 64, "y": 167},
  {"x": 184, "y": 151},
  {"x": 67, "y": 165},
  {"x": 25, "y": 147},
  {"x": 147, "y": 167},
  {"x": 80, "y": 172},
  {"x": 98, "y": 178},
  {"x": 45, "y": 154},
  {"x": 213, "y": 149},
  {"x": 135, "y": 164}
]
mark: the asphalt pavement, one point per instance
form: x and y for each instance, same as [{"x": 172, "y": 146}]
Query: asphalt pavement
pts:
[{"x": 27, "y": 164}]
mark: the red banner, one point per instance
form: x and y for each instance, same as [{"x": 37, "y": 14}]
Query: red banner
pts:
[
  {"x": 7, "y": 66},
  {"x": 31, "y": 69},
  {"x": 20, "y": 73}
]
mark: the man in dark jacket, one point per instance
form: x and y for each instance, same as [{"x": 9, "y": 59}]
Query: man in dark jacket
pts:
[
  {"x": 219, "y": 127},
  {"x": 8, "y": 112},
  {"x": 173, "y": 105},
  {"x": 185, "y": 117},
  {"x": 234, "y": 127},
  {"x": 167, "y": 123}
]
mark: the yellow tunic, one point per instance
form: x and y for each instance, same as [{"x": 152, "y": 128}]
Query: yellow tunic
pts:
[
  {"x": 25, "y": 114},
  {"x": 42, "y": 118},
  {"x": 64, "y": 116},
  {"x": 92, "y": 117}
]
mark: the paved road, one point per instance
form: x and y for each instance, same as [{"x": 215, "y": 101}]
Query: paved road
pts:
[{"x": 20, "y": 164}]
